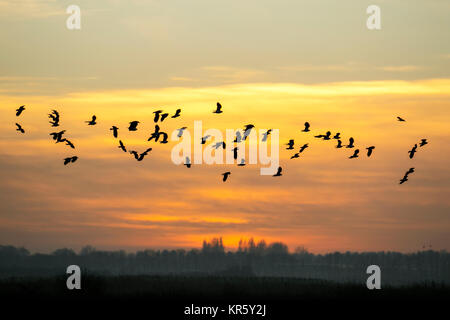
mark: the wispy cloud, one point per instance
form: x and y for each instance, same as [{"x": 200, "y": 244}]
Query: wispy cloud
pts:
[{"x": 406, "y": 68}]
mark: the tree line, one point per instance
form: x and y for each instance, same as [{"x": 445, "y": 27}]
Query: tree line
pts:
[{"x": 250, "y": 259}]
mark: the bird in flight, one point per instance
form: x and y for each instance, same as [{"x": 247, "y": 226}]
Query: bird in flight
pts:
[
  {"x": 351, "y": 142},
  {"x": 205, "y": 138},
  {"x": 187, "y": 163},
  {"x": 218, "y": 109},
  {"x": 303, "y": 147},
  {"x": 140, "y": 157},
  {"x": 248, "y": 128},
  {"x": 238, "y": 138},
  {"x": 219, "y": 144},
  {"x": 339, "y": 145},
  {"x": 235, "y": 149},
  {"x": 133, "y": 126},
  {"x": 296, "y": 155},
  {"x": 307, "y": 125},
  {"x": 155, "y": 135},
  {"x": 57, "y": 136},
  {"x": 324, "y": 136},
  {"x": 69, "y": 143},
  {"x": 290, "y": 144},
  {"x": 278, "y": 174},
  {"x": 19, "y": 128},
  {"x": 115, "y": 130},
  {"x": 70, "y": 160},
  {"x": 156, "y": 118},
  {"x": 412, "y": 151},
  {"x": 20, "y": 110},
  {"x": 370, "y": 150},
  {"x": 327, "y": 136},
  {"x": 400, "y": 119},
  {"x": 177, "y": 113},
  {"x": 265, "y": 134},
  {"x": 225, "y": 176},
  {"x": 337, "y": 136},
  {"x": 122, "y": 146},
  {"x": 180, "y": 132},
  {"x": 92, "y": 121},
  {"x": 54, "y": 116},
  {"x": 405, "y": 177},
  {"x": 355, "y": 154},
  {"x": 423, "y": 142},
  {"x": 164, "y": 116}
]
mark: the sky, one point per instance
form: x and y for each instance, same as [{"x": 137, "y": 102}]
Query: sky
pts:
[{"x": 275, "y": 64}]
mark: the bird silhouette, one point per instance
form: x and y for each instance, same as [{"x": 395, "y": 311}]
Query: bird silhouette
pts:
[
  {"x": 423, "y": 142},
  {"x": 70, "y": 160},
  {"x": 235, "y": 153},
  {"x": 248, "y": 128},
  {"x": 400, "y": 119},
  {"x": 303, "y": 147},
  {"x": 219, "y": 144},
  {"x": 355, "y": 154},
  {"x": 157, "y": 133},
  {"x": 205, "y": 138},
  {"x": 307, "y": 125},
  {"x": 187, "y": 163},
  {"x": 122, "y": 146},
  {"x": 351, "y": 142},
  {"x": 133, "y": 126},
  {"x": 370, "y": 150},
  {"x": 177, "y": 113},
  {"x": 290, "y": 144},
  {"x": 180, "y": 132},
  {"x": 115, "y": 130},
  {"x": 140, "y": 157},
  {"x": 242, "y": 163},
  {"x": 404, "y": 179},
  {"x": 156, "y": 117},
  {"x": 135, "y": 154},
  {"x": 412, "y": 151},
  {"x": 339, "y": 145},
  {"x": 57, "y": 136},
  {"x": 225, "y": 176},
  {"x": 54, "y": 116},
  {"x": 324, "y": 136},
  {"x": 337, "y": 136},
  {"x": 218, "y": 109},
  {"x": 278, "y": 174},
  {"x": 19, "y": 128},
  {"x": 164, "y": 116},
  {"x": 238, "y": 138},
  {"x": 143, "y": 154},
  {"x": 92, "y": 122},
  {"x": 69, "y": 143},
  {"x": 296, "y": 155},
  {"x": 20, "y": 110},
  {"x": 265, "y": 134}
]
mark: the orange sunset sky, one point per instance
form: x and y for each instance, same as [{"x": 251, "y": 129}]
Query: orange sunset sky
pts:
[{"x": 275, "y": 64}]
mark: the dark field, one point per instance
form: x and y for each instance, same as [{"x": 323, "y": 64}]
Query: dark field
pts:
[{"x": 169, "y": 295}]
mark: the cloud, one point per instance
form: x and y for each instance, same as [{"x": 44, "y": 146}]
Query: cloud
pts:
[
  {"x": 406, "y": 68},
  {"x": 323, "y": 199}
]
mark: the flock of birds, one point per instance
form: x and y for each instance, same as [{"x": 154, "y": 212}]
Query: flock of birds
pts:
[{"x": 241, "y": 136}]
